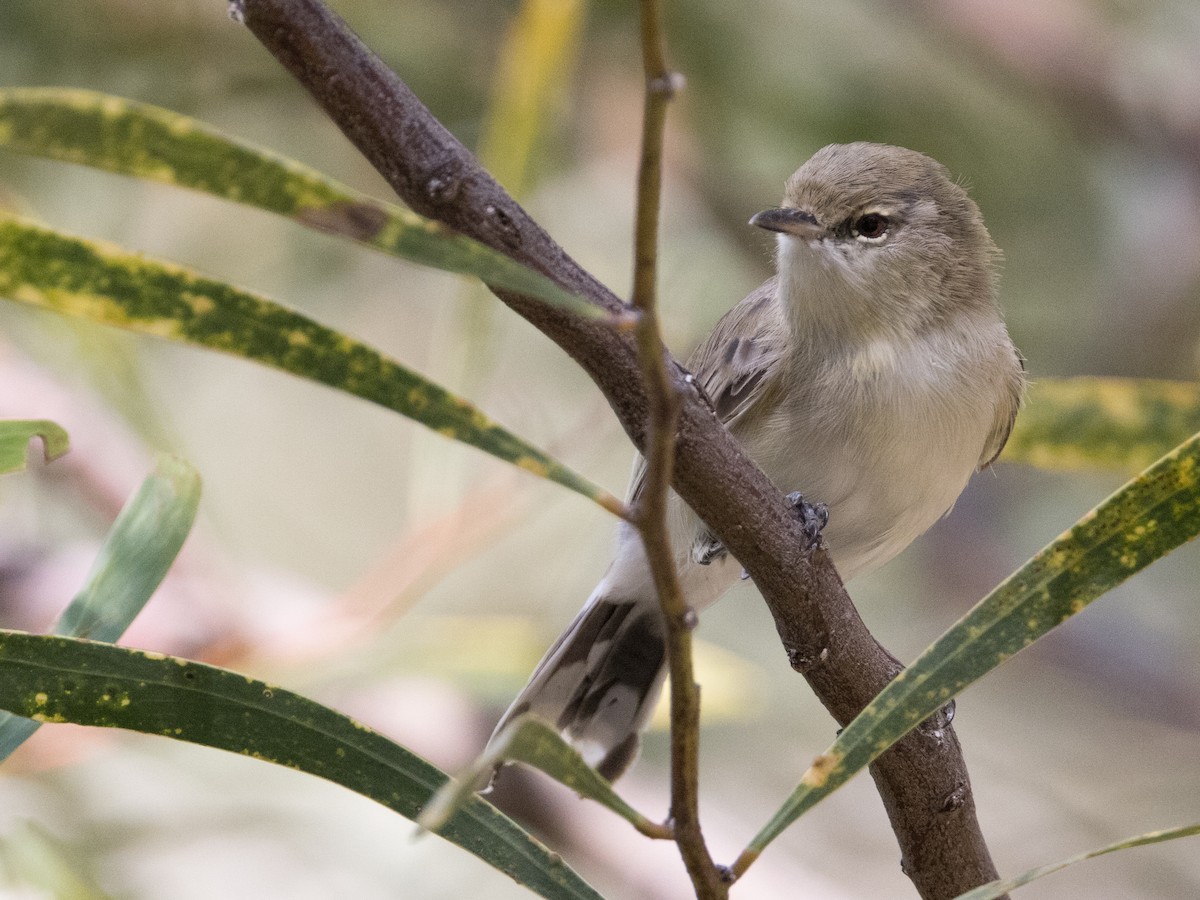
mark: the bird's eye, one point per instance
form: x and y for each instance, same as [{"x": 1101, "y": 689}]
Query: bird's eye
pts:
[{"x": 871, "y": 226}]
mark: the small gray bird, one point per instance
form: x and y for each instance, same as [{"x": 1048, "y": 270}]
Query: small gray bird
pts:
[{"x": 873, "y": 373}]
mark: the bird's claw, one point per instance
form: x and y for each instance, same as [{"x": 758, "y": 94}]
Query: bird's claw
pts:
[
  {"x": 813, "y": 516},
  {"x": 708, "y": 549}
]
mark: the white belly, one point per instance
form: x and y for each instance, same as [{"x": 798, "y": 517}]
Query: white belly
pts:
[{"x": 888, "y": 444}]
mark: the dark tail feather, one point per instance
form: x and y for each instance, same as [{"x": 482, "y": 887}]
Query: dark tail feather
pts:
[{"x": 599, "y": 682}]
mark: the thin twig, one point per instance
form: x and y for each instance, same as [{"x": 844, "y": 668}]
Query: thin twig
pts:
[
  {"x": 922, "y": 779},
  {"x": 650, "y": 508}
]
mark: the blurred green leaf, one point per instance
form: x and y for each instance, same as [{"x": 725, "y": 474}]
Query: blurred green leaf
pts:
[
  {"x": 1143, "y": 521},
  {"x": 533, "y": 68},
  {"x": 141, "y": 546},
  {"x": 143, "y": 543},
  {"x": 535, "y": 742},
  {"x": 535, "y": 59},
  {"x": 56, "y": 679},
  {"x": 106, "y": 284},
  {"x": 31, "y": 858},
  {"x": 15, "y": 435},
  {"x": 994, "y": 889},
  {"x": 147, "y": 142},
  {"x": 1103, "y": 423}
]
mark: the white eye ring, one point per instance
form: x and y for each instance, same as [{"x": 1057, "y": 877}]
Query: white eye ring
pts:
[{"x": 871, "y": 228}]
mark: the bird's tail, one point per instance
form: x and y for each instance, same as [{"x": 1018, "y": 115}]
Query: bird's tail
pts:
[{"x": 599, "y": 682}]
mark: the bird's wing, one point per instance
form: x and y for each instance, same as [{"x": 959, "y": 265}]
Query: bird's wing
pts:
[
  {"x": 1006, "y": 414},
  {"x": 735, "y": 362},
  {"x": 740, "y": 353}
]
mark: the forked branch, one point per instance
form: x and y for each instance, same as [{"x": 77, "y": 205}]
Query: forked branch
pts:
[{"x": 923, "y": 780}]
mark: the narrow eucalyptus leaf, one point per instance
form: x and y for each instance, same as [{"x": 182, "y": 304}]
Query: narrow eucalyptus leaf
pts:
[
  {"x": 143, "y": 543},
  {"x": 57, "y": 679},
  {"x": 155, "y": 144},
  {"x": 15, "y": 435},
  {"x": 1147, "y": 518},
  {"x": 1123, "y": 424},
  {"x": 994, "y": 889},
  {"x": 141, "y": 546},
  {"x": 536, "y": 743},
  {"x": 90, "y": 280}
]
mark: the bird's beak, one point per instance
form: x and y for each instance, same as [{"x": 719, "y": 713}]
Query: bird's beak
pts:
[{"x": 788, "y": 220}]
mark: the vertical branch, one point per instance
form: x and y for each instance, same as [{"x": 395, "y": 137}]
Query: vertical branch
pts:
[{"x": 649, "y": 513}]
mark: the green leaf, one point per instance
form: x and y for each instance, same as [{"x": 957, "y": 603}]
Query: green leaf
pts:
[
  {"x": 141, "y": 546},
  {"x": 31, "y": 858},
  {"x": 533, "y": 65},
  {"x": 534, "y": 742},
  {"x": 143, "y": 543},
  {"x": 1103, "y": 423},
  {"x": 155, "y": 144},
  {"x": 1146, "y": 519},
  {"x": 994, "y": 889},
  {"x": 106, "y": 284},
  {"x": 56, "y": 679},
  {"x": 529, "y": 86},
  {"x": 15, "y": 435}
]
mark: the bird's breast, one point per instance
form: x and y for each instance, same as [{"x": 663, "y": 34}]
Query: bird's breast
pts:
[{"x": 886, "y": 434}]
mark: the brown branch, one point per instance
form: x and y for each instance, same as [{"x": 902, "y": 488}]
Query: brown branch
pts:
[
  {"x": 650, "y": 508},
  {"x": 923, "y": 780}
]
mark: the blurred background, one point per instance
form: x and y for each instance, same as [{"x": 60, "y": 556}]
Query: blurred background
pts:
[{"x": 350, "y": 555}]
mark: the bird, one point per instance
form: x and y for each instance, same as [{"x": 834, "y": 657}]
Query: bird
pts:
[{"x": 872, "y": 374}]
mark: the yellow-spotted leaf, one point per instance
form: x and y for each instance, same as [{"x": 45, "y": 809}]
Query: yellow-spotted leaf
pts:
[
  {"x": 155, "y": 144},
  {"x": 15, "y": 435},
  {"x": 994, "y": 889},
  {"x": 1147, "y": 518},
  {"x": 105, "y": 284},
  {"x": 57, "y": 679},
  {"x": 1103, "y": 423},
  {"x": 530, "y": 740}
]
